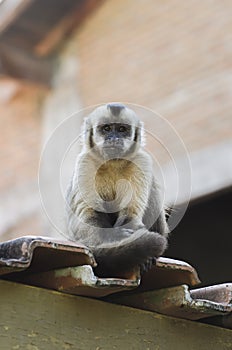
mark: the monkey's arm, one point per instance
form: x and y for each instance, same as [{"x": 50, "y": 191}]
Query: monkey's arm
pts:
[
  {"x": 116, "y": 249},
  {"x": 92, "y": 227},
  {"x": 154, "y": 215}
]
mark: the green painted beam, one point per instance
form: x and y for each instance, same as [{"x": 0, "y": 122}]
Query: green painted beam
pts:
[{"x": 33, "y": 318}]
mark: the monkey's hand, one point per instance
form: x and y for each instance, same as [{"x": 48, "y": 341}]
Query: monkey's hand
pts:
[
  {"x": 119, "y": 233},
  {"x": 127, "y": 231},
  {"x": 132, "y": 224}
]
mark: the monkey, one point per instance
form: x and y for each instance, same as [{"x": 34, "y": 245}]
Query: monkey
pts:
[{"x": 113, "y": 201}]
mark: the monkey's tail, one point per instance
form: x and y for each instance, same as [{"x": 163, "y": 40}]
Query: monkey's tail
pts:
[{"x": 135, "y": 250}]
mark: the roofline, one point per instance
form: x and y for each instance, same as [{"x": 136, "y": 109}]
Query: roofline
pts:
[{"x": 10, "y": 10}]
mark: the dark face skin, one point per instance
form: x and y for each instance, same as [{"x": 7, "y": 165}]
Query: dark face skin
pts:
[
  {"x": 114, "y": 137},
  {"x": 114, "y": 133}
]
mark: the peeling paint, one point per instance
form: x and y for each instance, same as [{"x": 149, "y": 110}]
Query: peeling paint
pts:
[{"x": 83, "y": 273}]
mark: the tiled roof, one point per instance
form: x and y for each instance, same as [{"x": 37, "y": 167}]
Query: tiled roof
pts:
[{"x": 69, "y": 268}]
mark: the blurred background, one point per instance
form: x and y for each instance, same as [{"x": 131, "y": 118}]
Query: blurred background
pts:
[{"x": 174, "y": 57}]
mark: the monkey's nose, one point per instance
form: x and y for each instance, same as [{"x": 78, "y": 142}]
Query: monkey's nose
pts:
[{"x": 115, "y": 108}]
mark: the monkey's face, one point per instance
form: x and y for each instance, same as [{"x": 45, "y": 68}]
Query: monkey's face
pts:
[
  {"x": 114, "y": 131},
  {"x": 113, "y": 140}
]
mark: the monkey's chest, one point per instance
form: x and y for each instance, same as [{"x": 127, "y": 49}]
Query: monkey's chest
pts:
[
  {"x": 122, "y": 186},
  {"x": 108, "y": 184}
]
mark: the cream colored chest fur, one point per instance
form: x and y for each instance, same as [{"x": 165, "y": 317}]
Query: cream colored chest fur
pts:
[{"x": 123, "y": 182}]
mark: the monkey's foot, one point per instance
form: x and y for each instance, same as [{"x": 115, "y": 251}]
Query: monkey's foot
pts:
[{"x": 147, "y": 265}]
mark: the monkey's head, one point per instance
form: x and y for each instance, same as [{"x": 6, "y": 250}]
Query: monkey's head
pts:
[{"x": 113, "y": 131}]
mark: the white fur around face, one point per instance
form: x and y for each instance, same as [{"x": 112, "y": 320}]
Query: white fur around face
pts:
[{"x": 103, "y": 115}]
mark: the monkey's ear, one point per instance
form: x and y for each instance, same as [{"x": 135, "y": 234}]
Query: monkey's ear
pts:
[
  {"x": 87, "y": 133},
  {"x": 139, "y": 134}
]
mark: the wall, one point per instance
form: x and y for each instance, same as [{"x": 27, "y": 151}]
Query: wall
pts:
[
  {"x": 173, "y": 57},
  {"x": 58, "y": 133},
  {"x": 19, "y": 157}
]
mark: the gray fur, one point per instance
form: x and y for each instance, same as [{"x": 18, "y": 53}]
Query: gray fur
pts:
[
  {"x": 115, "y": 108},
  {"x": 114, "y": 205}
]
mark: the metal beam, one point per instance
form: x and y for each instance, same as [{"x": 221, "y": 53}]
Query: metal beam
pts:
[
  {"x": 35, "y": 318},
  {"x": 19, "y": 64}
]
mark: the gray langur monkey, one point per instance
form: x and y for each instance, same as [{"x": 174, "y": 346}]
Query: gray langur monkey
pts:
[{"x": 113, "y": 201}]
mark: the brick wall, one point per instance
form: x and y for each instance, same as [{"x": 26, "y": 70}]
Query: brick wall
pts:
[
  {"x": 60, "y": 104},
  {"x": 19, "y": 146},
  {"x": 174, "y": 57},
  {"x": 19, "y": 158}
]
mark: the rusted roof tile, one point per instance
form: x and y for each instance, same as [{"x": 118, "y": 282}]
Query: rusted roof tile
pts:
[
  {"x": 175, "y": 301},
  {"x": 49, "y": 263},
  {"x": 168, "y": 273},
  {"x": 79, "y": 280},
  {"x": 221, "y": 293},
  {"x": 42, "y": 254}
]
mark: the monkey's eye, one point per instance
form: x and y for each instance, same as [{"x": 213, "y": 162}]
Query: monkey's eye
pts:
[
  {"x": 122, "y": 128},
  {"x": 106, "y": 127}
]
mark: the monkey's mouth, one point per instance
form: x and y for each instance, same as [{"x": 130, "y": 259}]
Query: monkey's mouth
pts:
[
  {"x": 113, "y": 146},
  {"x": 112, "y": 150}
]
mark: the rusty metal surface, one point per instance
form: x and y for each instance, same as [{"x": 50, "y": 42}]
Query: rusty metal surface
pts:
[
  {"x": 175, "y": 301},
  {"x": 221, "y": 293},
  {"x": 78, "y": 280},
  {"x": 42, "y": 254},
  {"x": 61, "y": 265},
  {"x": 39, "y": 254},
  {"x": 169, "y": 273},
  {"x": 46, "y": 262},
  {"x": 81, "y": 280}
]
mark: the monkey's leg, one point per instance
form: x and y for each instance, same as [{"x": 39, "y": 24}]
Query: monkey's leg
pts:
[{"x": 138, "y": 249}]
